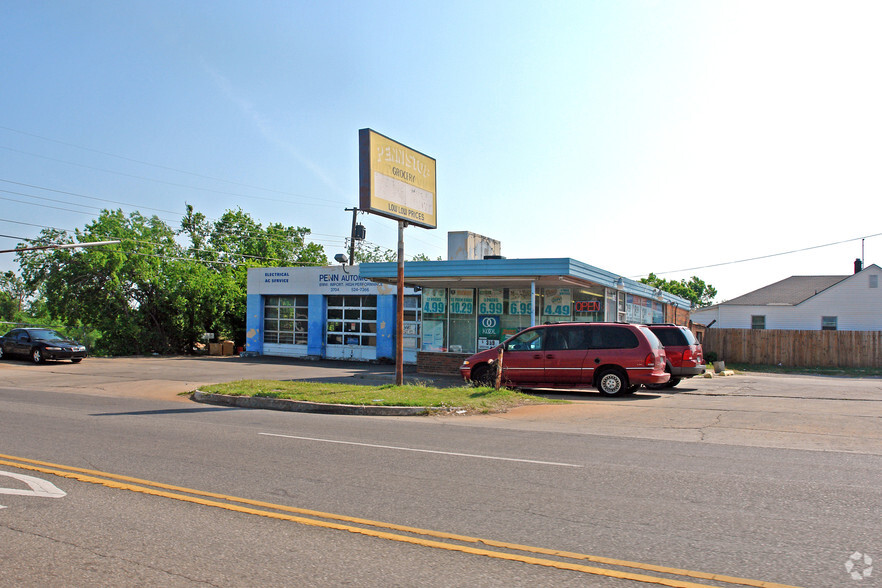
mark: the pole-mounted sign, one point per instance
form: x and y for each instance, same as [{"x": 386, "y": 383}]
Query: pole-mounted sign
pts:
[
  {"x": 399, "y": 183},
  {"x": 395, "y": 181}
]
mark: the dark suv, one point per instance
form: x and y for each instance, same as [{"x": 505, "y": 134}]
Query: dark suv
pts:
[
  {"x": 615, "y": 358},
  {"x": 684, "y": 354}
]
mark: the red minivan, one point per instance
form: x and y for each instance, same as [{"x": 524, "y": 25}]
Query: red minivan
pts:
[{"x": 615, "y": 358}]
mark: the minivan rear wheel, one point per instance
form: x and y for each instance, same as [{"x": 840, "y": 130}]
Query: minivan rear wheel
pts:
[{"x": 612, "y": 382}]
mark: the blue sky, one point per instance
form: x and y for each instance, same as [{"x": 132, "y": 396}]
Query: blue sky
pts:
[{"x": 635, "y": 136}]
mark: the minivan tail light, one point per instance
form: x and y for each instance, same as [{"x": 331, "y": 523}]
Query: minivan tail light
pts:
[{"x": 650, "y": 360}]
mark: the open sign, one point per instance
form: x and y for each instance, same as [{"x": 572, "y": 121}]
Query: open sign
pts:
[{"x": 586, "y": 306}]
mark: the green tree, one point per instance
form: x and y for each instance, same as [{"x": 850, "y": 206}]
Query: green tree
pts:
[
  {"x": 370, "y": 253},
  {"x": 15, "y": 289},
  {"x": 695, "y": 290},
  {"x": 236, "y": 242},
  {"x": 150, "y": 294},
  {"x": 121, "y": 290}
]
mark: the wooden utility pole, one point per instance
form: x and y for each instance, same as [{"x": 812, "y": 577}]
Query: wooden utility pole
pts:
[{"x": 399, "y": 319}]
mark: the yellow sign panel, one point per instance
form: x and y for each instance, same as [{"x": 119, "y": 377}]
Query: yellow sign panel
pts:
[{"x": 396, "y": 181}]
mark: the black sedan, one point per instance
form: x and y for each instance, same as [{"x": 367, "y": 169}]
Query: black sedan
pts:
[{"x": 40, "y": 345}]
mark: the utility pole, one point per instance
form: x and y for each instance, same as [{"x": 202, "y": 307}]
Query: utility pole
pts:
[
  {"x": 352, "y": 237},
  {"x": 399, "y": 318}
]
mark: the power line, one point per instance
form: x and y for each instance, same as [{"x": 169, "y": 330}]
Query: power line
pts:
[
  {"x": 175, "y": 184},
  {"x": 146, "y": 163},
  {"x": 689, "y": 269},
  {"x": 117, "y": 202}
]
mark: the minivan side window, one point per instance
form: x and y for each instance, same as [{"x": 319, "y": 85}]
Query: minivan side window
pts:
[
  {"x": 613, "y": 337},
  {"x": 526, "y": 341},
  {"x": 565, "y": 338}
]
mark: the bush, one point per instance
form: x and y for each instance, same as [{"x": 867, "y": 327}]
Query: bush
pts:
[{"x": 711, "y": 356}]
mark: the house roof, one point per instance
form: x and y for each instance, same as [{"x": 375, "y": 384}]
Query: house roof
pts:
[{"x": 788, "y": 292}]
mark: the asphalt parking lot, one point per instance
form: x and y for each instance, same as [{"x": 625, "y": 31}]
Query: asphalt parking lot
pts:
[{"x": 796, "y": 412}]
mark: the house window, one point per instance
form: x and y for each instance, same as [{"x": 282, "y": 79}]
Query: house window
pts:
[
  {"x": 758, "y": 321},
  {"x": 874, "y": 281},
  {"x": 828, "y": 323}
]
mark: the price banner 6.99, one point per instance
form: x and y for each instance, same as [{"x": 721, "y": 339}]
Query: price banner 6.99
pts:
[
  {"x": 519, "y": 301},
  {"x": 490, "y": 301}
]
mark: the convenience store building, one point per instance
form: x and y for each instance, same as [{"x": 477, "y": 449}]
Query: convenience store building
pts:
[{"x": 452, "y": 308}]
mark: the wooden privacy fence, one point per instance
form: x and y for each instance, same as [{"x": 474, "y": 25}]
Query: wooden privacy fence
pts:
[{"x": 796, "y": 348}]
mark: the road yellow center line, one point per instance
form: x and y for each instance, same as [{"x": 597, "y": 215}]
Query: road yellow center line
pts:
[{"x": 174, "y": 492}]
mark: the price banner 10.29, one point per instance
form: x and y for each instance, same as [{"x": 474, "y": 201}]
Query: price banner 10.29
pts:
[{"x": 462, "y": 301}]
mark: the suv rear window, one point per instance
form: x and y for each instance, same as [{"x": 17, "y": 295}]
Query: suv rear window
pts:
[{"x": 672, "y": 337}]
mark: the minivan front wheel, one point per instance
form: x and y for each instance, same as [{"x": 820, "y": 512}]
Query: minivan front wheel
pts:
[
  {"x": 484, "y": 375},
  {"x": 612, "y": 382}
]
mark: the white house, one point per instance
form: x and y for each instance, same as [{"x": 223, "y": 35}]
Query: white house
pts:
[{"x": 812, "y": 303}]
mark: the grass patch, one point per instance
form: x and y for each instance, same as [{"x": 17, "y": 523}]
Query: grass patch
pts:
[
  {"x": 471, "y": 399},
  {"x": 811, "y": 371}
]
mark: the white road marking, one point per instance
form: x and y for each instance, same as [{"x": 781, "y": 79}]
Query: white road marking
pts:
[
  {"x": 39, "y": 487},
  {"x": 551, "y": 463}
]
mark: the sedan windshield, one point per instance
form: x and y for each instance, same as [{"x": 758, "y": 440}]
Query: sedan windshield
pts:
[{"x": 47, "y": 335}]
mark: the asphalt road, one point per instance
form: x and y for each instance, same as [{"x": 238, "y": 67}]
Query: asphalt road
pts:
[{"x": 767, "y": 478}]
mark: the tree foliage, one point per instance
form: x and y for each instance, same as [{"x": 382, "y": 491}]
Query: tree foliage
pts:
[
  {"x": 695, "y": 290},
  {"x": 150, "y": 293}
]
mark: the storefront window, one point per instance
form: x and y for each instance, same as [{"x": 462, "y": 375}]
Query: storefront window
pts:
[
  {"x": 517, "y": 302},
  {"x": 639, "y": 310},
  {"x": 463, "y": 323},
  {"x": 588, "y": 305},
  {"x": 434, "y": 335},
  {"x": 411, "y": 322},
  {"x": 557, "y": 305},
  {"x": 352, "y": 320},
  {"x": 286, "y": 319}
]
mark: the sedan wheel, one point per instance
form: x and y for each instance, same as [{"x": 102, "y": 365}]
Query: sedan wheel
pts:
[
  {"x": 1, "y": 352},
  {"x": 37, "y": 355}
]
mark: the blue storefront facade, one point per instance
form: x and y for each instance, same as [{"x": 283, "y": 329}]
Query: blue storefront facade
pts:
[{"x": 452, "y": 308}]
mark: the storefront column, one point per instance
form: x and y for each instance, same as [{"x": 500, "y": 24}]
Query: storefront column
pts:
[
  {"x": 386, "y": 318},
  {"x": 315, "y": 340},
  {"x": 254, "y": 323},
  {"x": 532, "y": 304}
]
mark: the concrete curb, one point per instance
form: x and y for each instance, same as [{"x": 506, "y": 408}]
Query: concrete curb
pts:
[{"x": 301, "y": 406}]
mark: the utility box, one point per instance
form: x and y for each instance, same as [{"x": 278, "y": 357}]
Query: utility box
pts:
[
  {"x": 227, "y": 348},
  {"x": 463, "y": 245}
]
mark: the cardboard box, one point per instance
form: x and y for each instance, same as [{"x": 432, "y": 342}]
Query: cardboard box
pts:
[
  {"x": 214, "y": 349},
  {"x": 227, "y": 348}
]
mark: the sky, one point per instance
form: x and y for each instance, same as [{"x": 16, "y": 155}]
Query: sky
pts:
[{"x": 736, "y": 141}]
